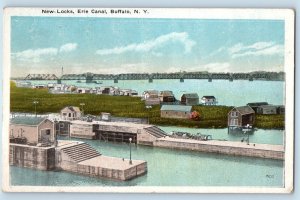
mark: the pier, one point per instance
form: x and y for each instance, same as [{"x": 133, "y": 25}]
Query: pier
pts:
[
  {"x": 224, "y": 147},
  {"x": 76, "y": 157}
]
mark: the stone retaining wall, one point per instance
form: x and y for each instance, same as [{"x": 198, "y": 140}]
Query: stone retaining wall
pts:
[{"x": 32, "y": 157}]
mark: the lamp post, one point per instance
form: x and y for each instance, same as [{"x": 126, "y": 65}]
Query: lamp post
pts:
[
  {"x": 82, "y": 104},
  {"x": 247, "y": 131},
  {"x": 55, "y": 131},
  {"x": 35, "y": 102},
  {"x": 130, "y": 161}
]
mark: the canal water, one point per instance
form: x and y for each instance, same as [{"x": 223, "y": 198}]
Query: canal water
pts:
[
  {"x": 167, "y": 167},
  {"x": 235, "y": 93}
]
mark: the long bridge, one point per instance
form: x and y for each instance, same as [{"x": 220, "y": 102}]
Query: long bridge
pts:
[{"x": 90, "y": 77}]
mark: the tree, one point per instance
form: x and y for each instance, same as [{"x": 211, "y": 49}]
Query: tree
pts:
[{"x": 195, "y": 116}]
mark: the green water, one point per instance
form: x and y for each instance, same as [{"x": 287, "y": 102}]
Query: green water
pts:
[{"x": 168, "y": 167}]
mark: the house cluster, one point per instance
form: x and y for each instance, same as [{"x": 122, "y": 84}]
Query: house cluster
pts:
[
  {"x": 155, "y": 97},
  {"x": 266, "y": 109},
  {"x": 56, "y": 88}
]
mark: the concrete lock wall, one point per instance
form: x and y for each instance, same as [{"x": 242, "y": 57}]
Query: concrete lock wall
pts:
[
  {"x": 82, "y": 131},
  {"x": 135, "y": 171},
  {"x": 31, "y": 157},
  {"x": 238, "y": 151},
  {"x": 145, "y": 138}
]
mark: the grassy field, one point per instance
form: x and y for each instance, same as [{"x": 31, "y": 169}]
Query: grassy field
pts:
[{"x": 124, "y": 106}]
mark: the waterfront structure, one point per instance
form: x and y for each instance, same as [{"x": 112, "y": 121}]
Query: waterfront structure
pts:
[
  {"x": 32, "y": 130},
  {"x": 209, "y": 100},
  {"x": 150, "y": 94},
  {"x": 167, "y": 96},
  {"x": 76, "y": 157},
  {"x": 240, "y": 117},
  {"x": 281, "y": 109},
  {"x": 23, "y": 84},
  {"x": 39, "y": 86},
  {"x": 128, "y": 92},
  {"x": 70, "y": 113},
  {"x": 151, "y": 97},
  {"x": 190, "y": 99},
  {"x": 82, "y": 129},
  {"x": 62, "y": 127},
  {"x": 267, "y": 110},
  {"x": 175, "y": 111},
  {"x": 255, "y": 105},
  {"x": 105, "y": 116},
  {"x": 83, "y": 90}
]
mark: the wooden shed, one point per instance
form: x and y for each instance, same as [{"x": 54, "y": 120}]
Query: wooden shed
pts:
[
  {"x": 267, "y": 110},
  {"x": 281, "y": 109},
  {"x": 32, "y": 130},
  {"x": 241, "y": 117},
  {"x": 166, "y": 96},
  {"x": 190, "y": 99},
  {"x": 255, "y": 105},
  {"x": 175, "y": 111}
]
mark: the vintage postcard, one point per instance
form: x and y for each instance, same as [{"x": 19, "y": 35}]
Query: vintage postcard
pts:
[{"x": 148, "y": 100}]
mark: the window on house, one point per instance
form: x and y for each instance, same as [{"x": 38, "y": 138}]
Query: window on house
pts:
[
  {"x": 69, "y": 114},
  {"x": 48, "y": 131},
  {"x": 233, "y": 114},
  {"x": 61, "y": 125}
]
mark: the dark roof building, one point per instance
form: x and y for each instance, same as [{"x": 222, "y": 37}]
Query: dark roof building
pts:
[
  {"x": 255, "y": 105},
  {"x": 175, "y": 111},
  {"x": 167, "y": 96},
  {"x": 241, "y": 117},
  {"x": 190, "y": 99}
]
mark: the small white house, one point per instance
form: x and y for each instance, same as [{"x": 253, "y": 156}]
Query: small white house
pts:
[
  {"x": 83, "y": 90},
  {"x": 128, "y": 92},
  {"x": 150, "y": 94},
  {"x": 70, "y": 113},
  {"x": 209, "y": 100}
]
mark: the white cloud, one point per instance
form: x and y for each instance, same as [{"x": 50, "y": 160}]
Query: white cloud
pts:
[
  {"x": 151, "y": 45},
  {"x": 256, "y": 49},
  {"x": 268, "y": 51},
  {"x": 68, "y": 47},
  {"x": 36, "y": 55}
]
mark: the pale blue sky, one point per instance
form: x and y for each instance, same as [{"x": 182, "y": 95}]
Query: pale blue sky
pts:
[{"x": 114, "y": 45}]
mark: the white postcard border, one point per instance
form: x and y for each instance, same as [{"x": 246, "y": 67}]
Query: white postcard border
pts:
[{"x": 185, "y": 13}]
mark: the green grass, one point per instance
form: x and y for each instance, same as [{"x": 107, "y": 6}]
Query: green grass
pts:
[{"x": 124, "y": 106}]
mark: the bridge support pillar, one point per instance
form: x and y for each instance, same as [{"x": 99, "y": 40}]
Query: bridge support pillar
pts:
[
  {"x": 181, "y": 80},
  {"x": 116, "y": 80}
]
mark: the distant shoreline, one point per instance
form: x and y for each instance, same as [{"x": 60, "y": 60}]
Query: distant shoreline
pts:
[{"x": 125, "y": 106}]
